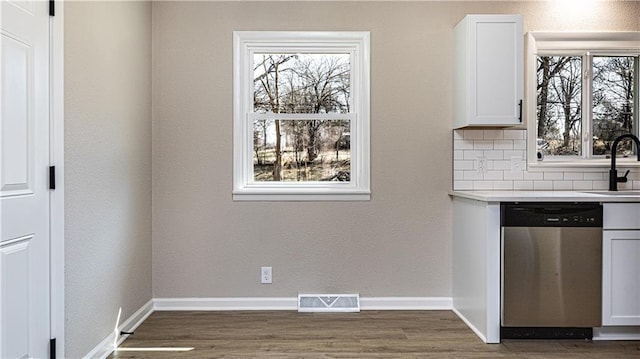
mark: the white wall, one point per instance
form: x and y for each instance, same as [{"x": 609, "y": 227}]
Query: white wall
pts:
[{"x": 108, "y": 167}]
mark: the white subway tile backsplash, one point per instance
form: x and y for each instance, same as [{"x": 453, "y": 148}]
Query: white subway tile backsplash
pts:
[
  {"x": 463, "y": 185},
  {"x": 594, "y": 176},
  {"x": 553, "y": 176},
  {"x": 503, "y": 185},
  {"x": 458, "y": 134},
  {"x": 601, "y": 185},
  {"x": 503, "y": 144},
  {"x": 463, "y": 144},
  {"x": 515, "y": 153},
  {"x": 490, "y": 165},
  {"x": 515, "y": 176},
  {"x": 573, "y": 176},
  {"x": 472, "y": 176},
  {"x": 523, "y": 185},
  {"x": 463, "y": 165},
  {"x": 493, "y": 175},
  {"x": 625, "y": 186},
  {"x": 562, "y": 185},
  {"x": 582, "y": 185},
  {"x": 542, "y": 185},
  {"x": 473, "y": 134},
  {"x": 504, "y": 165},
  {"x": 482, "y": 145},
  {"x": 535, "y": 176},
  {"x": 493, "y": 154},
  {"x": 499, "y": 146},
  {"x": 472, "y": 155},
  {"x": 514, "y": 134},
  {"x": 493, "y": 134},
  {"x": 519, "y": 144},
  {"x": 483, "y": 185}
]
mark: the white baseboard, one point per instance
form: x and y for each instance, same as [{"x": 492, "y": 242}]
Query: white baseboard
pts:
[
  {"x": 616, "y": 333},
  {"x": 471, "y": 326},
  {"x": 290, "y": 303},
  {"x": 106, "y": 347},
  {"x": 225, "y": 303},
  {"x": 406, "y": 303}
]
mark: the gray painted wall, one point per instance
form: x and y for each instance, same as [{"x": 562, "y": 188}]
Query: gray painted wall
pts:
[
  {"x": 399, "y": 243},
  {"x": 107, "y": 167},
  {"x": 205, "y": 245}
]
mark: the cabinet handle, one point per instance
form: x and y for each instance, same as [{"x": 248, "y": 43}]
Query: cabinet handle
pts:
[{"x": 520, "y": 110}]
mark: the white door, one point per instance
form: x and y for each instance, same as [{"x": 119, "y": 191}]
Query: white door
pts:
[{"x": 24, "y": 187}]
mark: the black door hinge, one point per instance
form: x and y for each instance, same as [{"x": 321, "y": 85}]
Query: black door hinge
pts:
[
  {"x": 52, "y": 177},
  {"x": 52, "y": 348},
  {"x": 52, "y": 8}
]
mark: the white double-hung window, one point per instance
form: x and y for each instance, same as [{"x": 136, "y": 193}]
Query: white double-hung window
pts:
[{"x": 301, "y": 116}]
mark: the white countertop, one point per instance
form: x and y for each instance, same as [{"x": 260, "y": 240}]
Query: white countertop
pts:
[{"x": 548, "y": 196}]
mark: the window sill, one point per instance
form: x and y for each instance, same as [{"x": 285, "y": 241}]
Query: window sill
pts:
[
  {"x": 299, "y": 195},
  {"x": 582, "y": 165}
]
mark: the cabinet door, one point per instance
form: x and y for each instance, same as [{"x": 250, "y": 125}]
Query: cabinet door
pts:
[
  {"x": 491, "y": 47},
  {"x": 621, "y": 278}
]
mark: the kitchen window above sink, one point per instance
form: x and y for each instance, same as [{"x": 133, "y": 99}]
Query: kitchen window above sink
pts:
[{"x": 585, "y": 95}]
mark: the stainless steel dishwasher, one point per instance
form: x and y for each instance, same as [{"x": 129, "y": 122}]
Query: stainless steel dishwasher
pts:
[{"x": 551, "y": 270}]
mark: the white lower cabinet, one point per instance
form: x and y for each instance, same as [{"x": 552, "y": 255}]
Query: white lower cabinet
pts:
[{"x": 621, "y": 266}]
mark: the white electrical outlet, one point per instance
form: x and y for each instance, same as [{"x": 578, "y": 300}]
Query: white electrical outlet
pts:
[
  {"x": 482, "y": 165},
  {"x": 265, "y": 275}
]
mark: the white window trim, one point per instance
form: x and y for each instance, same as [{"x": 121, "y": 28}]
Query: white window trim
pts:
[
  {"x": 570, "y": 43},
  {"x": 245, "y": 43}
]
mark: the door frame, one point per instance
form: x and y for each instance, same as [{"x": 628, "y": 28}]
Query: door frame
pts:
[{"x": 56, "y": 158}]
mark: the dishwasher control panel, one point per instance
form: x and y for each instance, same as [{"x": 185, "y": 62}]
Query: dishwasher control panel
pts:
[{"x": 551, "y": 214}]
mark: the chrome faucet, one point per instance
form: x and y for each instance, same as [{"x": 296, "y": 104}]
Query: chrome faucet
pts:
[{"x": 613, "y": 174}]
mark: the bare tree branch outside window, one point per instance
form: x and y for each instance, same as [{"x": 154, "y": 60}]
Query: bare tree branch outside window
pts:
[
  {"x": 559, "y": 103},
  {"x": 613, "y": 102},
  {"x": 560, "y": 106},
  {"x": 302, "y": 149}
]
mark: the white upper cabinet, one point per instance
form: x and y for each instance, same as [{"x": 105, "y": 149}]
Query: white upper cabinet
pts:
[{"x": 488, "y": 71}]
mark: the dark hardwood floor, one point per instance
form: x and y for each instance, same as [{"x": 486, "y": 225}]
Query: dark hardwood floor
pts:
[{"x": 369, "y": 334}]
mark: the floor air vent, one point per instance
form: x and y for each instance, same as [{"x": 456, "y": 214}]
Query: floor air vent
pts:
[{"x": 329, "y": 303}]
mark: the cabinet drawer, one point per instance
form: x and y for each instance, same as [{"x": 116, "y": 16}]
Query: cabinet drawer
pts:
[{"x": 621, "y": 216}]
